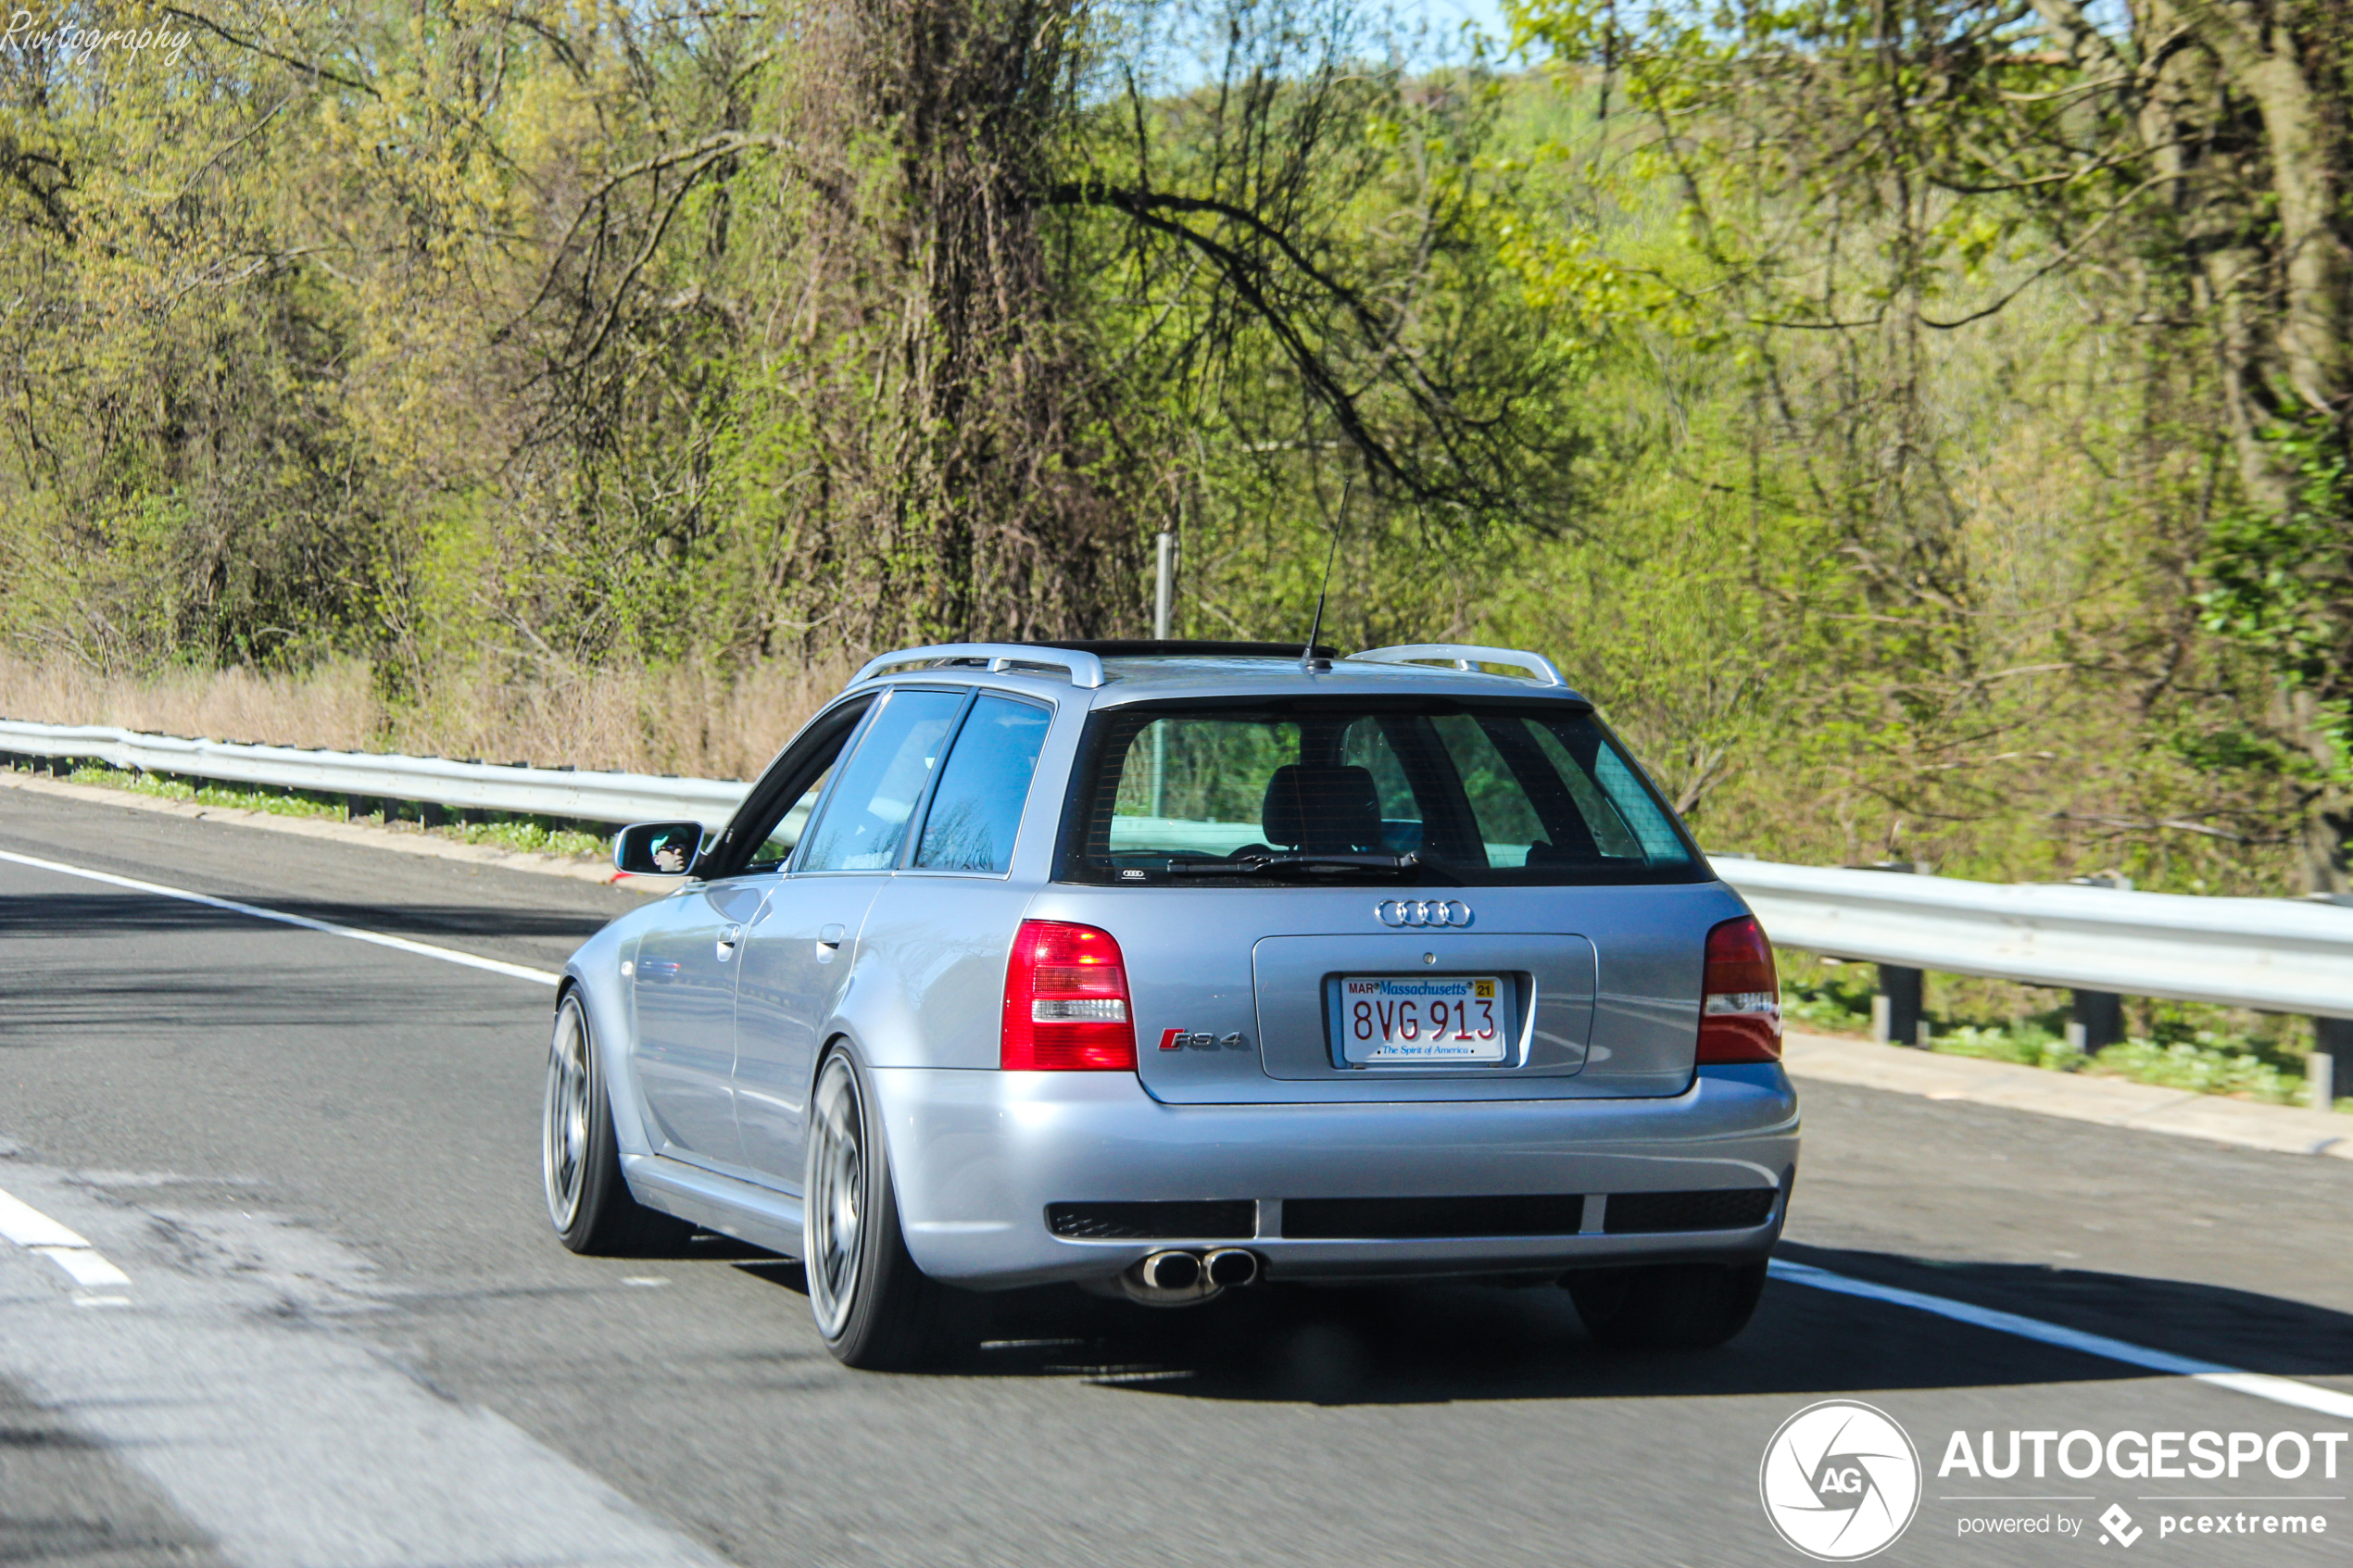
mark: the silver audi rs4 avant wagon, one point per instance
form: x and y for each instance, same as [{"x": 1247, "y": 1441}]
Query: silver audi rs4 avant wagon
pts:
[{"x": 1165, "y": 968}]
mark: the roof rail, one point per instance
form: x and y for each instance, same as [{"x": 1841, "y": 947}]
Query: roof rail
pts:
[
  {"x": 1085, "y": 669},
  {"x": 1465, "y": 656}
]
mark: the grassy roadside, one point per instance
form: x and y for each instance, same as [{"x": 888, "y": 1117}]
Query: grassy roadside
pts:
[
  {"x": 538, "y": 835},
  {"x": 2175, "y": 1046}
]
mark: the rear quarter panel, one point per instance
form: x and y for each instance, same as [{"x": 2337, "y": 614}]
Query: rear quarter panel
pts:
[{"x": 928, "y": 984}]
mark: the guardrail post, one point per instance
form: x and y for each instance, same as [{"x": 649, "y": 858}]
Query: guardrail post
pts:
[
  {"x": 1895, "y": 1012},
  {"x": 2329, "y": 1072},
  {"x": 2097, "y": 1024}
]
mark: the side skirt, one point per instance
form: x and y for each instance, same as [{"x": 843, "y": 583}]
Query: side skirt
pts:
[{"x": 716, "y": 1203}]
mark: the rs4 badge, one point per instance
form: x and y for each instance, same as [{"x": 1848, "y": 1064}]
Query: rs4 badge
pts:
[{"x": 1185, "y": 1039}]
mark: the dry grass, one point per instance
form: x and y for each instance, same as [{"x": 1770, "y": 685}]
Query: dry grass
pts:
[
  {"x": 333, "y": 706},
  {"x": 687, "y": 719}
]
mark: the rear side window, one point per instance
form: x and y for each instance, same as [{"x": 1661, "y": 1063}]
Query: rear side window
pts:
[
  {"x": 862, "y": 822},
  {"x": 1461, "y": 791},
  {"x": 976, "y": 810}
]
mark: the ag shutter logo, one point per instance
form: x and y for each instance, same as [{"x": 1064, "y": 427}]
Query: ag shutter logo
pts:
[{"x": 1840, "y": 1481}]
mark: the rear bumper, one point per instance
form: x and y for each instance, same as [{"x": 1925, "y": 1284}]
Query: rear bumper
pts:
[{"x": 978, "y": 1156}]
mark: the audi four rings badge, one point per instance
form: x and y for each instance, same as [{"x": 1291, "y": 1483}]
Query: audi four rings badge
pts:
[{"x": 1423, "y": 912}]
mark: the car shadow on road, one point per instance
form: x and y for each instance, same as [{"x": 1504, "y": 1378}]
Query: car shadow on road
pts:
[
  {"x": 2244, "y": 1329},
  {"x": 1419, "y": 1344}
]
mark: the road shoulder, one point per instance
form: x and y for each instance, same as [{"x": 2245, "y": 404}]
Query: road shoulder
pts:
[{"x": 2110, "y": 1101}]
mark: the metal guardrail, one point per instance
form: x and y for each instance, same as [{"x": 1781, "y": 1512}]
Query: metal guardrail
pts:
[
  {"x": 480, "y": 786},
  {"x": 2273, "y": 954},
  {"x": 2103, "y": 944}
]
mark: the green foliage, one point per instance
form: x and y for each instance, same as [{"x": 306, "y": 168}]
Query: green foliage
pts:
[
  {"x": 2280, "y": 580},
  {"x": 1838, "y": 1000},
  {"x": 532, "y": 838},
  {"x": 277, "y": 803},
  {"x": 2207, "y": 1065},
  {"x": 2029, "y": 1046}
]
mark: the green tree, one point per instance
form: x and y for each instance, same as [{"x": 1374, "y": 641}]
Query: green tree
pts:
[{"x": 1893, "y": 174}]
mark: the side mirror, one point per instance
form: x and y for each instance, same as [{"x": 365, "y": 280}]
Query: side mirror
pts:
[{"x": 657, "y": 848}]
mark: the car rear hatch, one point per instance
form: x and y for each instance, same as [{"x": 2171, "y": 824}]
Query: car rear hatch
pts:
[
  {"x": 1239, "y": 995},
  {"x": 1338, "y": 898}
]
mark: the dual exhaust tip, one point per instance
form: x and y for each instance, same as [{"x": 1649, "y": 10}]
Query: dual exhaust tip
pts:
[
  {"x": 1182, "y": 1271},
  {"x": 1178, "y": 1278}
]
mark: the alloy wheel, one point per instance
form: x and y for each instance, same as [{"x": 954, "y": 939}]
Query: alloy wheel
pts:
[
  {"x": 836, "y": 1195},
  {"x": 564, "y": 1137}
]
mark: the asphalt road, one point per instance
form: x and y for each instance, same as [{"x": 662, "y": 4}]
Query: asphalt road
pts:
[{"x": 349, "y": 1338}]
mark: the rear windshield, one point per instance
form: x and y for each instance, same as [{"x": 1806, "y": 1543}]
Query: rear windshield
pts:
[{"x": 1433, "y": 790}]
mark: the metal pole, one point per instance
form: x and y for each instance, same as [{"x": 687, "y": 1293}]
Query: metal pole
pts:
[
  {"x": 1164, "y": 585},
  {"x": 2331, "y": 1072},
  {"x": 2097, "y": 1022},
  {"x": 1895, "y": 1012},
  {"x": 1164, "y": 604}
]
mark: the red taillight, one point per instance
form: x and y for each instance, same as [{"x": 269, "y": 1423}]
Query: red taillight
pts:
[
  {"x": 1739, "y": 1009},
  {"x": 1066, "y": 1001}
]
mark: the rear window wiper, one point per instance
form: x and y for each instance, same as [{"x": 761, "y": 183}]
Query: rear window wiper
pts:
[{"x": 1302, "y": 861}]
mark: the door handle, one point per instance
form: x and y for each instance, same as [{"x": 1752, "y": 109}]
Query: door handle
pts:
[
  {"x": 728, "y": 937},
  {"x": 829, "y": 940}
]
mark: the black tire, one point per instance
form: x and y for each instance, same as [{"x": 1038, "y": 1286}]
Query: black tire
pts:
[
  {"x": 875, "y": 1309},
  {"x": 1666, "y": 1306},
  {"x": 589, "y": 1201}
]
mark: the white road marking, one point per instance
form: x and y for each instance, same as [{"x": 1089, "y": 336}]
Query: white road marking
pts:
[
  {"x": 27, "y": 1226},
  {"x": 2262, "y": 1385},
  {"x": 84, "y": 1264},
  {"x": 35, "y": 1232},
  {"x": 400, "y": 944},
  {"x": 2283, "y": 1390}
]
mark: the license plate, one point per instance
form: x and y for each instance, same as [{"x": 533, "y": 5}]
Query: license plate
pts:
[{"x": 1424, "y": 1019}]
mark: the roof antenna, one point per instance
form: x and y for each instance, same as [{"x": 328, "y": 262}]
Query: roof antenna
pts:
[{"x": 1307, "y": 660}]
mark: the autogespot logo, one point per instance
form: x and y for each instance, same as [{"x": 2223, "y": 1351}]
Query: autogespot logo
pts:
[{"x": 1840, "y": 1480}]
